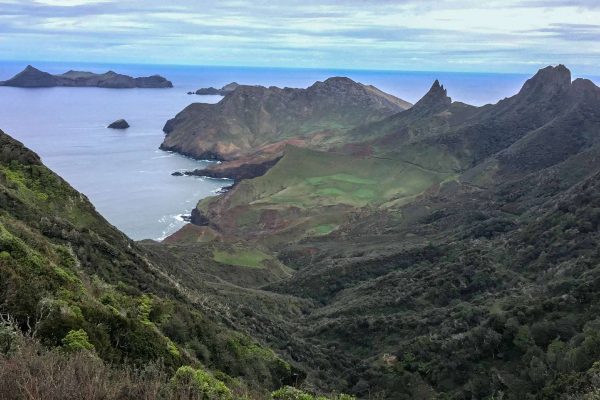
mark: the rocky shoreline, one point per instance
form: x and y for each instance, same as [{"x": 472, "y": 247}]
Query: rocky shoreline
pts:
[{"x": 233, "y": 170}]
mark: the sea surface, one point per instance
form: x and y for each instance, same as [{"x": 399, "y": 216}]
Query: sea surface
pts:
[{"x": 124, "y": 174}]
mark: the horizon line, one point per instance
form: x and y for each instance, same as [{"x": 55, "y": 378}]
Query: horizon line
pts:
[{"x": 159, "y": 64}]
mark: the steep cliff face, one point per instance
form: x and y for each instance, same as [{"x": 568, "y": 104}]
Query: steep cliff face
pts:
[{"x": 253, "y": 117}]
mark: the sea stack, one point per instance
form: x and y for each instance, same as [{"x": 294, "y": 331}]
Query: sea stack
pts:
[{"x": 119, "y": 124}]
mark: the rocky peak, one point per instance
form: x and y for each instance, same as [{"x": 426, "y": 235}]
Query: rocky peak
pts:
[
  {"x": 335, "y": 84},
  {"x": 585, "y": 87},
  {"x": 30, "y": 77},
  {"x": 435, "y": 99},
  {"x": 31, "y": 68},
  {"x": 230, "y": 86},
  {"x": 549, "y": 80},
  {"x": 339, "y": 80},
  {"x": 31, "y": 71}
]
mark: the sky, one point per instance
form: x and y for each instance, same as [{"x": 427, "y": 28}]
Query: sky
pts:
[{"x": 417, "y": 35}]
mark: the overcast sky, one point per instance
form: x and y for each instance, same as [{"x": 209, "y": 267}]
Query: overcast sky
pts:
[{"x": 457, "y": 35}]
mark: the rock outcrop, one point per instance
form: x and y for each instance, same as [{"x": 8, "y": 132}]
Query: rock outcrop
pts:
[
  {"x": 119, "y": 124},
  {"x": 435, "y": 99},
  {"x": 236, "y": 170},
  {"x": 225, "y": 90}
]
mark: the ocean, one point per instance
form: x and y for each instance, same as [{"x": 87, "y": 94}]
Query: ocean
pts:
[{"x": 124, "y": 174}]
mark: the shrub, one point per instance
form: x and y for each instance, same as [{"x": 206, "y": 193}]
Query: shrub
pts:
[
  {"x": 291, "y": 393},
  {"x": 198, "y": 384},
  {"x": 77, "y": 340},
  {"x": 35, "y": 372},
  {"x": 10, "y": 336}
]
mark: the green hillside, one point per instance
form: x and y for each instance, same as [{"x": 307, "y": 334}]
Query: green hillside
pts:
[{"x": 309, "y": 192}]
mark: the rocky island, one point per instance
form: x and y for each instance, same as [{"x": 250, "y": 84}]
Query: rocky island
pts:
[
  {"x": 32, "y": 77},
  {"x": 119, "y": 124}
]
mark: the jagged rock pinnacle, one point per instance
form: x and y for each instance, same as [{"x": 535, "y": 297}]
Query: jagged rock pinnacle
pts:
[{"x": 435, "y": 99}]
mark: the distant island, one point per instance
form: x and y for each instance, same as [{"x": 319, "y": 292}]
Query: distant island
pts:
[
  {"x": 32, "y": 77},
  {"x": 230, "y": 87}
]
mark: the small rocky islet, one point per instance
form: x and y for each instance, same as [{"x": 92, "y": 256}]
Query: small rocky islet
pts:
[{"x": 119, "y": 124}]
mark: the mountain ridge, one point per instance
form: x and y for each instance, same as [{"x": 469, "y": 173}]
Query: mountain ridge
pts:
[{"x": 473, "y": 279}]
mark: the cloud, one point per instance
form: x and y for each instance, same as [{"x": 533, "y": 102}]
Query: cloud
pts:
[
  {"x": 68, "y": 3},
  {"x": 585, "y": 4},
  {"x": 505, "y": 35},
  {"x": 573, "y": 32}
]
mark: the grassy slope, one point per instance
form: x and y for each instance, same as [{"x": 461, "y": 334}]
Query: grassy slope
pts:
[
  {"x": 310, "y": 193},
  {"x": 242, "y": 258}
]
